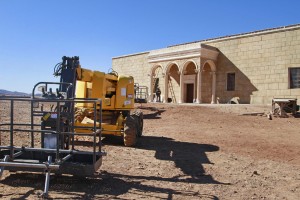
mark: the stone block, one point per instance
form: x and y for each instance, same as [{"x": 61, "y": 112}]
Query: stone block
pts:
[
  {"x": 273, "y": 86},
  {"x": 295, "y": 91},
  {"x": 285, "y": 92}
]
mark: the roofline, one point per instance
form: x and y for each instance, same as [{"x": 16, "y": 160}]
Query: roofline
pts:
[
  {"x": 134, "y": 54},
  {"x": 253, "y": 33},
  {"x": 228, "y": 37}
]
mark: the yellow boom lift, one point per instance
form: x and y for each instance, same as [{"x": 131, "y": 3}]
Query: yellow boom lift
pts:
[{"x": 119, "y": 118}]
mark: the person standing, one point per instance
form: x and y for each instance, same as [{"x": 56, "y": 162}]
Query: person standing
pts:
[{"x": 157, "y": 92}]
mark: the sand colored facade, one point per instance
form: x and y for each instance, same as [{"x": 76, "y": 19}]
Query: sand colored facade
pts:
[{"x": 249, "y": 68}]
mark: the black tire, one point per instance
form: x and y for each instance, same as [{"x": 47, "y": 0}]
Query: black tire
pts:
[
  {"x": 140, "y": 122},
  {"x": 130, "y": 131}
]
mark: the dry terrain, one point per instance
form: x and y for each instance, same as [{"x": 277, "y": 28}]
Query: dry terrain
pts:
[{"x": 186, "y": 152}]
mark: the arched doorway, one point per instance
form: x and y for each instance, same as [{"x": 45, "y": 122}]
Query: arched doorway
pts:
[
  {"x": 188, "y": 87},
  {"x": 156, "y": 81},
  {"x": 172, "y": 83},
  {"x": 208, "y": 86}
]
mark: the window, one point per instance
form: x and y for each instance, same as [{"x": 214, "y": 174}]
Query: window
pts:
[
  {"x": 294, "y": 77},
  {"x": 230, "y": 81}
]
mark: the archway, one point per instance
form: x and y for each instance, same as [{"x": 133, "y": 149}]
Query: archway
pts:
[
  {"x": 208, "y": 86},
  {"x": 172, "y": 83},
  {"x": 155, "y": 81},
  {"x": 189, "y": 82}
]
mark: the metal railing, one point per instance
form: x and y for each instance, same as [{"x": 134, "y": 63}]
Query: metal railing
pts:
[
  {"x": 14, "y": 157},
  {"x": 141, "y": 94}
]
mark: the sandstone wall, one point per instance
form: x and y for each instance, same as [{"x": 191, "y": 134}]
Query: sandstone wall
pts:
[
  {"x": 134, "y": 65},
  {"x": 260, "y": 62},
  {"x": 261, "y": 65}
]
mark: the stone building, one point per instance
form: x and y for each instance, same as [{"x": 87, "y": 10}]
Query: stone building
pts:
[{"x": 250, "y": 68}]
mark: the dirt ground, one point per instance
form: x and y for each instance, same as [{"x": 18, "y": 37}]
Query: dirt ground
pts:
[{"x": 186, "y": 152}]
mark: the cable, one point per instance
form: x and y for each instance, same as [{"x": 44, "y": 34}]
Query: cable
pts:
[
  {"x": 112, "y": 72},
  {"x": 57, "y": 69}
]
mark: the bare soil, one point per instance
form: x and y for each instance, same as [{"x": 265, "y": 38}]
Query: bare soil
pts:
[{"x": 186, "y": 152}]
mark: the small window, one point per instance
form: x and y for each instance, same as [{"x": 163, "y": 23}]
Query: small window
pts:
[
  {"x": 230, "y": 81},
  {"x": 294, "y": 77}
]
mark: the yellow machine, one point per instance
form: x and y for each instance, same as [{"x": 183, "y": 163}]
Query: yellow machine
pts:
[{"x": 117, "y": 94}]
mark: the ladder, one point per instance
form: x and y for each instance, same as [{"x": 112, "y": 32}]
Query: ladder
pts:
[
  {"x": 172, "y": 90},
  {"x": 155, "y": 84}
]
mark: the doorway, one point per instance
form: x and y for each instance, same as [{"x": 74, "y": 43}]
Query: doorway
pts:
[{"x": 189, "y": 93}]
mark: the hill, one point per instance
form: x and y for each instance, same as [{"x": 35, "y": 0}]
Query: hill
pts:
[{"x": 12, "y": 93}]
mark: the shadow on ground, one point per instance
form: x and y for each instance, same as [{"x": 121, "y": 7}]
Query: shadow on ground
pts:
[
  {"x": 155, "y": 112},
  {"x": 106, "y": 185},
  {"x": 188, "y": 157}
]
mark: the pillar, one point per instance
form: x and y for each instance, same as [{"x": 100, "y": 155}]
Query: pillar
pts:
[
  {"x": 151, "y": 87},
  {"x": 213, "y": 95},
  {"x": 166, "y": 88},
  {"x": 181, "y": 100},
  {"x": 199, "y": 85}
]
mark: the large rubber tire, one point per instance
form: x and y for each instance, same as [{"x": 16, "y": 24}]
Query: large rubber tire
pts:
[
  {"x": 140, "y": 122},
  {"x": 130, "y": 131}
]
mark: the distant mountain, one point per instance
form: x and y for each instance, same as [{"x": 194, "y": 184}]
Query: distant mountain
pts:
[{"x": 10, "y": 93}]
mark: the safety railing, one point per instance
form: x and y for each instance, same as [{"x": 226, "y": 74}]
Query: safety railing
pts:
[{"x": 51, "y": 124}]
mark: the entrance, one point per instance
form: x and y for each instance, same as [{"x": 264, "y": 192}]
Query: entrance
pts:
[{"x": 189, "y": 93}]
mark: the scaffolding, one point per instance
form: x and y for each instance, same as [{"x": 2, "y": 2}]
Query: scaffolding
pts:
[{"x": 141, "y": 93}]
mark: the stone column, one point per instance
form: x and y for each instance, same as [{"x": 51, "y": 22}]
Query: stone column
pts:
[
  {"x": 181, "y": 100},
  {"x": 151, "y": 87},
  {"x": 199, "y": 85},
  {"x": 213, "y": 95},
  {"x": 166, "y": 88}
]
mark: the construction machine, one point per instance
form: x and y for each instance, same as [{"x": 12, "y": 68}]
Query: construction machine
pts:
[
  {"x": 85, "y": 103},
  {"x": 119, "y": 118},
  {"x": 141, "y": 93}
]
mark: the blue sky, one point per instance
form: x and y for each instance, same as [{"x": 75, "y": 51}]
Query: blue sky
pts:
[{"x": 35, "y": 34}]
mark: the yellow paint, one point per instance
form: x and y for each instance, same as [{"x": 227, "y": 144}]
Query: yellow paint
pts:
[
  {"x": 117, "y": 93},
  {"x": 46, "y": 116},
  {"x": 80, "y": 92},
  {"x": 125, "y": 93}
]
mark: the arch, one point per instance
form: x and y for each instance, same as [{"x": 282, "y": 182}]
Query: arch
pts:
[
  {"x": 212, "y": 65},
  {"x": 155, "y": 76},
  {"x": 208, "y": 84},
  {"x": 172, "y": 82},
  {"x": 154, "y": 67},
  {"x": 190, "y": 67},
  {"x": 188, "y": 82},
  {"x": 186, "y": 63},
  {"x": 168, "y": 67}
]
